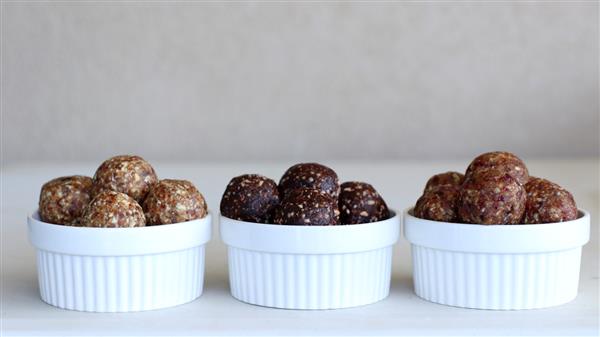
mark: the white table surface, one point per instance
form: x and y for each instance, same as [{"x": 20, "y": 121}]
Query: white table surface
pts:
[{"x": 217, "y": 313}]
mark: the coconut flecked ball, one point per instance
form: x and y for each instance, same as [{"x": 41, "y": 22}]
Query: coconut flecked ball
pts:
[
  {"x": 312, "y": 176},
  {"x": 250, "y": 197},
  {"x": 113, "y": 209},
  {"x": 505, "y": 162},
  {"x": 307, "y": 207},
  {"x": 439, "y": 203},
  {"x": 171, "y": 201},
  {"x": 360, "y": 203},
  {"x": 548, "y": 202},
  {"x": 446, "y": 178},
  {"x": 491, "y": 197},
  {"x": 63, "y": 200},
  {"x": 127, "y": 174}
]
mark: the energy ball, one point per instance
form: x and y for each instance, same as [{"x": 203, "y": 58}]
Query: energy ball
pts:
[
  {"x": 307, "y": 207},
  {"x": 439, "y": 203},
  {"x": 250, "y": 197},
  {"x": 312, "y": 176},
  {"x": 63, "y": 200},
  {"x": 360, "y": 203},
  {"x": 172, "y": 201},
  {"x": 502, "y": 161},
  {"x": 113, "y": 209},
  {"x": 446, "y": 178},
  {"x": 491, "y": 197},
  {"x": 548, "y": 202},
  {"x": 131, "y": 175}
]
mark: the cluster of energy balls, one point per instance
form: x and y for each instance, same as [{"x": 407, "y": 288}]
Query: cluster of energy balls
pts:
[
  {"x": 124, "y": 192},
  {"x": 495, "y": 189},
  {"x": 307, "y": 194}
]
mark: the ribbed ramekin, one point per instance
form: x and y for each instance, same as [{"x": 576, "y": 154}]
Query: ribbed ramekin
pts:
[
  {"x": 310, "y": 267},
  {"x": 120, "y": 269},
  {"x": 498, "y": 267}
]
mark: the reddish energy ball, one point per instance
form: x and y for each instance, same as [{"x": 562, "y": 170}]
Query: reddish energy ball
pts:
[
  {"x": 505, "y": 162},
  {"x": 63, "y": 200},
  {"x": 439, "y": 203},
  {"x": 446, "y": 178},
  {"x": 307, "y": 207},
  {"x": 131, "y": 175},
  {"x": 171, "y": 201},
  {"x": 113, "y": 209},
  {"x": 250, "y": 197},
  {"x": 311, "y": 176},
  {"x": 360, "y": 203},
  {"x": 491, "y": 197},
  {"x": 548, "y": 202}
]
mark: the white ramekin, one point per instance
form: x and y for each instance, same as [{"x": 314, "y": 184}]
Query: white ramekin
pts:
[
  {"x": 499, "y": 267},
  {"x": 310, "y": 267},
  {"x": 120, "y": 269}
]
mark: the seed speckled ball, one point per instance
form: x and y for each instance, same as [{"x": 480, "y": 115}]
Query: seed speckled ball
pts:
[
  {"x": 491, "y": 197},
  {"x": 171, "y": 201},
  {"x": 446, "y": 178},
  {"x": 500, "y": 161},
  {"x": 438, "y": 203},
  {"x": 312, "y": 176},
  {"x": 360, "y": 203},
  {"x": 548, "y": 202},
  {"x": 131, "y": 175},
  {"x": 250, "y": 197},
  {"x": 63, "y": 200},
  {"x": 113, "y": 209},
  {"x": 307, "y": 207}
]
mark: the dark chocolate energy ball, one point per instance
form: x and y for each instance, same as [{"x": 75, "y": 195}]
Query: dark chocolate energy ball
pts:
[
  {"x": 438, "y": 203},
  {"x": 131, "y": 175},
  {"x": 172, "y": 201},
  {"x": 310, "y": 175},
  {"x": 548, "y": 202},
  {"x": 446, "y": 178},
  {"x": 62, "y": 200},
  {"x": 113, "y": 209},
  {"x": 250, "y": 197},
  {"x": 360, "y": 203},
  {"x": 491, "y": 197},
  {"x": 307, "y": 207},
  {"x": 501, "y": 161}
]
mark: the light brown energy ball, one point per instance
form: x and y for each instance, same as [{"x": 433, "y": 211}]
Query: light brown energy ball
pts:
[
  {"x": 360, "y": 203},
  {"x": 113, "y": 209},
  {"x": 548, "y": 202},
  {"x": 250, "y": 197},
  {"x": 505, "y": 162},
  {"x": 127, "y": 174},
  {"x": 439, "y": 203},
  {"x": 172, "y": 201},
  {"x": 312, "y": 176},
  {"x": 62, "y": 200},
  {"x": 491, "y": 197},
  {"x": 446, "y": 178}
]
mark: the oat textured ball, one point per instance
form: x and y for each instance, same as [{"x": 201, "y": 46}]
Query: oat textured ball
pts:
[
  {"x": 360, "y": 203},
  {"x": 171, "y": 201},
  {"x": 501, "y": 161},
  {"x": 439, "y": 203},
  {"x": 307, "y": 207},
  {"x": 113, "y": 209},
  {"x": 62, "y": 200},
  {"x": 491, "y": 197},
  {"x": 250, "y": 197},
  {"x": 312, "y": 176},
  {"x": 131, "y": 175},
  {"x": 446, "y": 178},
  {"x": 548, "y": 202}
]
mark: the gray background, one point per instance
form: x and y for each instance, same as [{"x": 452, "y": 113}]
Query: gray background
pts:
[{"x": 298, "y": 81}]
